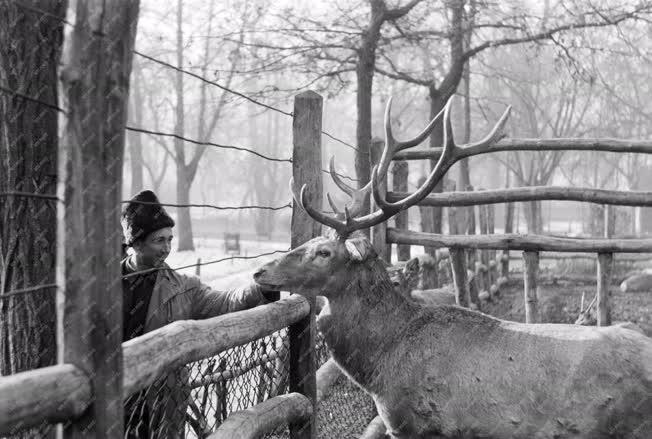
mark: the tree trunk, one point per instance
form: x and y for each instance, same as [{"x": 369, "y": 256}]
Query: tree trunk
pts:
[
  {"x": 437, "y": 103},
  {"x": 30, "y": 49},
  {"x": 135, "y": 138},
  {"x": 184, "y": 180},
  {"x": 533, "y": 217}
]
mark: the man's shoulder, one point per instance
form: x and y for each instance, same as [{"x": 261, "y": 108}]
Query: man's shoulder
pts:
[{"x": 179, "y": 278}]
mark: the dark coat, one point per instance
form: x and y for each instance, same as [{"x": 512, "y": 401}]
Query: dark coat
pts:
[{"x": 180, "y": 297}]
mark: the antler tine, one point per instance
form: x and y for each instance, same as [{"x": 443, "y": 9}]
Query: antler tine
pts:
[
  {"x": 495, "y": 134},
  {"x": 447, "y": 158},
  {"x": 358, "y": 196},
  {"x": 392, "y": 146},
  {"x": 592, "y": 302},
  {"x": 317, "y": 215},
  {"x": 332, "y": 204},
  {"x": 337, "y": 180}
]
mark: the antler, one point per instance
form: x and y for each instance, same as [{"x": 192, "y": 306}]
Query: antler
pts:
[
  {"x": 451, "y": 153},
  {"x": 358, "y": 196}
]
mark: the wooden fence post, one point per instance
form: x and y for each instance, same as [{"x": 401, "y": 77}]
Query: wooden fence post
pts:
[
  {"x": 96, "y": 82},
  {"x": 400, "y": 184},
  {"x": 509, "y": 228},
  {"x": 470, "y": 230},
  {"x": 379, "y": 232},
  {"x": 605, "y": 267},
  {"x": 458, "y": 263},
  {"x": 306, "y": 169},
  {"x": 427, "y": 214},
  {"x": 530, "y": 275}
]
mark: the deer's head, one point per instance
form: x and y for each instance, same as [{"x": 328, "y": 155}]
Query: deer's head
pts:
[
  {"x": 319, "y": 266},
  {"x": 324, "y": 265}
]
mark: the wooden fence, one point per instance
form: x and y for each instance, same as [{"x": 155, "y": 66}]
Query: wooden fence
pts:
[
  {"x": 98, "y": 372},
  {"x": 486, "y": 270}
]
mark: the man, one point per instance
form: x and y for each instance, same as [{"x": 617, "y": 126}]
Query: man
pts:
[{"x": 155, "y": 295}]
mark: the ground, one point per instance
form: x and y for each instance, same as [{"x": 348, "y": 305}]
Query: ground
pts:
[{"x": 560, "y": 303}]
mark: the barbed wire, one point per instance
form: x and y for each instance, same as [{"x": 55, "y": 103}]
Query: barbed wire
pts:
[
  {"x": 230, "y": 258},
  {"x": 210, "y": 82},
  {"x": 27, "y": 290},
  {"x": 149, "y": 270},
  {"x": 31, "y": 195},
  {"x": 192, "y": 74},
  {"x": 31, "y": 99},
  {"x": 285, "y": 206},
  {"x": 203, "y": 143}
]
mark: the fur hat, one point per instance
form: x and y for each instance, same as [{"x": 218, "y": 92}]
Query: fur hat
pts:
[{"x": 139, "y": 220}]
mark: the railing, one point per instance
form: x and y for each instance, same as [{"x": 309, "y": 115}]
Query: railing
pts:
[{"x": 63, "y": 392}]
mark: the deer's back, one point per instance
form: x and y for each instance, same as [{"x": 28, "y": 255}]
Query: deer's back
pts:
[{"x": 466, "y": 372}]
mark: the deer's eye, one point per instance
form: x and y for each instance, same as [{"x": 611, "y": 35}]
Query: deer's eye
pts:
[{"x": 323, "y": 253}]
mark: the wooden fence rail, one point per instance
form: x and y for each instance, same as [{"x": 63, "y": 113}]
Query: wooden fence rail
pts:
[
  {"x": 521, "y": 242},
  {"x": 532, "y": 193},
  {"x": 52, "y": 394},
  {"x": 517, "y": 144},
  {"x": 263, "y": 418},
  {"x": 63, "y": 392}
]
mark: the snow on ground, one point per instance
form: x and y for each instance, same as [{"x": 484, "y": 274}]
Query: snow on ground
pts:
[{"x": 227, "y": 273}]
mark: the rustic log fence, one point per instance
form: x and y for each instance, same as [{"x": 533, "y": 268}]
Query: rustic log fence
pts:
[
  {"x": 491, "y": 270},
  {"x": 70, "y": 392}
]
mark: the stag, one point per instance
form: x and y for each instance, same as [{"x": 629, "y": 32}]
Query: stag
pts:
[{"x": 448, "y": 371}]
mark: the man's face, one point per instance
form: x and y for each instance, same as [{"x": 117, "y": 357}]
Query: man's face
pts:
[{"x": 155, "y": 248}]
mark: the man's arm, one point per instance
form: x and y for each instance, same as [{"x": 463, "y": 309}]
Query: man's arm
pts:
[{"x": 208, "y": 302}]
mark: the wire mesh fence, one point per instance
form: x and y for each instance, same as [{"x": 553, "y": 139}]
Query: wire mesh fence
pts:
[{"x": 192, "y": 401}]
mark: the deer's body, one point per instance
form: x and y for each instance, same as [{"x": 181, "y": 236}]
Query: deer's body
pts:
[{"x": 453, "y": 372}]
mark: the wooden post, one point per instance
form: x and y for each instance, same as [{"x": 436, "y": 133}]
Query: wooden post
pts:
[
  {"x": 306, "y": 169},
  {"x": 470, "y": 230},
  {"x": 458, "y": 263},
  {"x": 198, "y": 267},
  {"x": 605, "y": 268},
  {"x": 509, "y": 228},
  {"x": 427, "y": 225},
  {"x": 608, "y": 221},
  {"x": 379, "y": 232},
  {"x": 530, "y": 275},
  {"x": 400, "y": 184},
  {"x": 96, "y": 82}
]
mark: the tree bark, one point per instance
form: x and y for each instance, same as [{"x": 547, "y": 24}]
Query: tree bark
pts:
[
  {"x": 30, "y": 49},
  {"x": 184, "y": 223},
  {"x": 135, "y": 138}
]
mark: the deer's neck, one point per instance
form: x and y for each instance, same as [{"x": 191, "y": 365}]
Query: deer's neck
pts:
[{"x": 358, "y": 327}]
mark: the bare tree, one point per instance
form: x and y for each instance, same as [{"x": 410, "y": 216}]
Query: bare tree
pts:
[{"x": 208, "y": 115}]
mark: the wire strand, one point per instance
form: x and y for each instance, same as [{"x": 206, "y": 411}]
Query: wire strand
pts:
[
  {"x": 285, "y": 206},
  {"x": 208, "y": 81},
  {"x": 20, "y": 291},
  {"x": 230, "y": 258},
  {"x": 198, "y": 142},
  {"x": 30, "y": 195}
]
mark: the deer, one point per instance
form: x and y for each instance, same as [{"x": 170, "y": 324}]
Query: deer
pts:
[
  {"x": 588, "y": 316},
  {"x": 452, "y": 372}
]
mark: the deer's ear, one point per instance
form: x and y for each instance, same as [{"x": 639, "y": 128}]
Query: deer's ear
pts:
[
  {"x": 412, "y": 266},
  {"x": 359, "y": 249}
]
